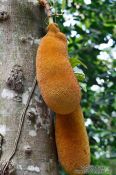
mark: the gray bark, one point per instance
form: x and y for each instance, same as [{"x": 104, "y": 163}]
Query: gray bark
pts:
[{"x": 19, "y": 37}]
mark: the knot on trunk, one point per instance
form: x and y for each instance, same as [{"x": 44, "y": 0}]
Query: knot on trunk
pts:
[{"x": 15, "y": 80}]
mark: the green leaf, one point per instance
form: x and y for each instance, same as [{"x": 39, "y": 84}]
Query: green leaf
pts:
[
  {"x": 83, "y": 86},
  {"x": 63, "y": 4},
  {"x": 80, "y": 76},
  {"x": 75, "y": 62}
]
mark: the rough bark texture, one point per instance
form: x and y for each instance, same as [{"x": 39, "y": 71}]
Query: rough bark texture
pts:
[{"x": 19, "y": 37}]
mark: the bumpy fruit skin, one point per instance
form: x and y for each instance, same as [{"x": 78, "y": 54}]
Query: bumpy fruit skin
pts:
[
  {"x": 57, "y": 82},
  {"x": 72, "y": 141},
  {"x": 61, "y": 92}
]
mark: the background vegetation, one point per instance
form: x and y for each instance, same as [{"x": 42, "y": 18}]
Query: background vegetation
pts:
[{"x": 91, "y": 32}]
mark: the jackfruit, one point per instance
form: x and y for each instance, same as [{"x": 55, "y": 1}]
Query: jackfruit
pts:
[
  {"x": 72, "y": 142},
  {"x": 55, "y": 76}
]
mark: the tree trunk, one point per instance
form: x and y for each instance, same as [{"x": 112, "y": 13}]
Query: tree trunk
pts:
[{"x": 19, "y": 36}]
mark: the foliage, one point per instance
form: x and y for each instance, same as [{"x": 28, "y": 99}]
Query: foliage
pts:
[
  {"x": 91, "y": 35},
  {"x": 78, "y": 72}
]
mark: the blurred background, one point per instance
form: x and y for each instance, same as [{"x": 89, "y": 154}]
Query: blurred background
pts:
[{"x": 90, "y": 27}]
